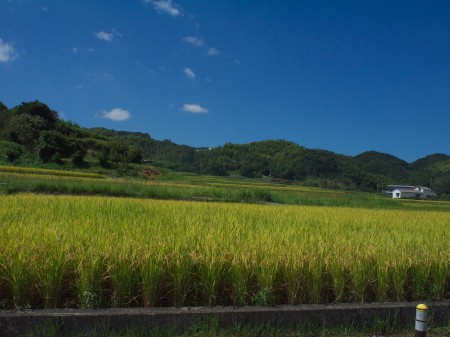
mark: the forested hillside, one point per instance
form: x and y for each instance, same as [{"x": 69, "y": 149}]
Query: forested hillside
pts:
[
  {"x": 382, "y": 163},
  {"x": 32, "y": 133}
]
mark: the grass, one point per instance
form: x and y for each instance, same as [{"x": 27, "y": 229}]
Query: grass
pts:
[{"x": 214, "y": 329}]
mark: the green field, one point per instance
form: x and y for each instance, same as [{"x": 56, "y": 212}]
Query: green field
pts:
[{"x": 184, "y": 186}]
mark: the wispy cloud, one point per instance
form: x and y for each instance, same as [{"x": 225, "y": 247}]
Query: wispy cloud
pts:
[
  {"x": 213, "y": 51},
  {"x": 194, "y": 40},
  {"x": 165, "y": 6},
  {"x": 189, "y": 73},
  {"x": 194, "y": 108},
  {"x": 199, "y": 42},
  {"x": 108, "y": 37},
  {"x": 117, "y": 115},
  {"x": 105, "y": 36},
  {"x": 7, "y": 51}
]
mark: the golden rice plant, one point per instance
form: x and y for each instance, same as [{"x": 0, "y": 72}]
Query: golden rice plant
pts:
[{"x": 66, "y": 251}]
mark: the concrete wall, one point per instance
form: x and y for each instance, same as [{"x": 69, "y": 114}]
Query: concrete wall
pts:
[{"x": 71, "y": 322}]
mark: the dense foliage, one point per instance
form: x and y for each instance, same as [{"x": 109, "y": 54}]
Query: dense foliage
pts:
[
  {"x": 284, "y": 161},
  {"x": 32, "y": 132}
]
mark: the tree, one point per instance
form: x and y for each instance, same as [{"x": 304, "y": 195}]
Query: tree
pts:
[
  {"x": 78, "y": 157},
  {"x": 9, "y": 151},
  {"x": 3, "y": 107},
  {"x": 52, "y": 146},
  {"x": 3, "y": 113},
  {"x": 24, "y": 129},
  {"x": 117, "y": 152},
  {"x": 134, "y": 155},
  {"x": 37, "y": 108},
  {"x": 24, "y": 123}
]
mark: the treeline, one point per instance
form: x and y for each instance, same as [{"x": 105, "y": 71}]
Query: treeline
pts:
[
  {"x": 33, "y": 132},
  {"x": 284, "y": 161}
]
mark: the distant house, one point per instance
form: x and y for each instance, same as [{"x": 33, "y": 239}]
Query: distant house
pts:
[
  {"x": 427, "y": 193},
  {"x": 410, "y": 192}
]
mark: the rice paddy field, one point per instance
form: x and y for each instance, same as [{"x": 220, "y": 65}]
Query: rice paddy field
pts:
[
  {"x": 179, "y": 186},
  {"x": 98, "y": 251}
]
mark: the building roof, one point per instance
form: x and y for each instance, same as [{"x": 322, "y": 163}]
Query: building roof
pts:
[
  {"x": 403, "y": 190},
  {"x": 402, "y": 186}
]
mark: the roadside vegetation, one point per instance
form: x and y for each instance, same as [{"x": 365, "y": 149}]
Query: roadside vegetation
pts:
[{"x": 213, "y": 329}]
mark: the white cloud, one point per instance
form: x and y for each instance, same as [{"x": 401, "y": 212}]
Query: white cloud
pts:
[
  {"x": 165, "y": 6},
  {"x": 194, "y": 108},
  {"x": 195, "y": 41},
  {"x": 189, "y": 73},
  {"x": 213, "y": 51},
  {"x": 7, "y": 52},
  {"x": 199, "y": 42},
  {"x": 117, "y": 114},
  {"x": 108, "y": 37}
]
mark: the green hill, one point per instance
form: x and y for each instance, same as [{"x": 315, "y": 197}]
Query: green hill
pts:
[
  {"x": 383, "y": 164},
  {"x": 32, "y": 133},
  {"x": 433, "y": 171},
  {"x": 430, "y": 161}
]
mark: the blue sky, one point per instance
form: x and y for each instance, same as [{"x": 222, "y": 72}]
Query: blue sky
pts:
[{"x": 346, "y": 76}]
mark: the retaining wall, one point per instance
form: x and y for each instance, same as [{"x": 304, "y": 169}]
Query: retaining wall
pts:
[{"x": 72, "y": 322}]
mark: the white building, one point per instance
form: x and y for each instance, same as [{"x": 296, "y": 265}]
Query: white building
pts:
[{"x": 410, "y": 192}]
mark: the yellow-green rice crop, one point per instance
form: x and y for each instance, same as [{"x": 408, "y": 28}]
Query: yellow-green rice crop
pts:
[
  {"x": 58, "y": 251},
  {"x": 49, "y": 176},
  {"x": 48, "y": 172}
]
